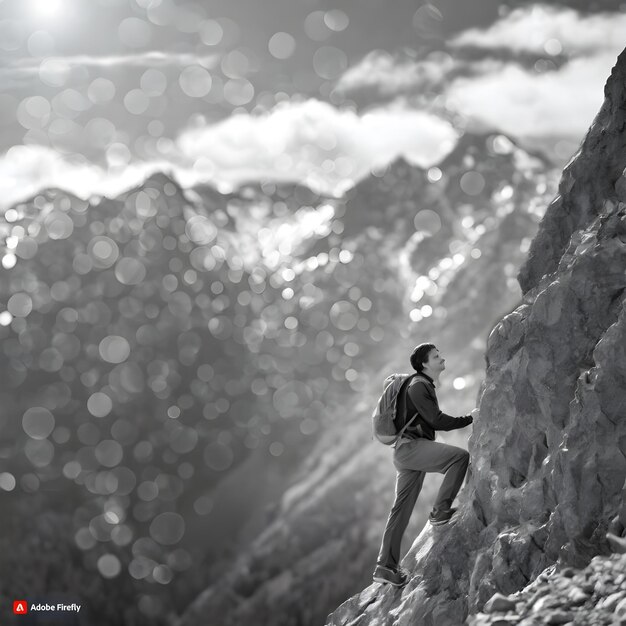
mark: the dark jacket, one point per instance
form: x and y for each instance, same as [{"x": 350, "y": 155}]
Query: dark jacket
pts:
[{"x": 421, "y": 397}]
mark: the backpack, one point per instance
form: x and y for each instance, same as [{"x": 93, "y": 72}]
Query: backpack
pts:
[{"x": 386, "y": 411}]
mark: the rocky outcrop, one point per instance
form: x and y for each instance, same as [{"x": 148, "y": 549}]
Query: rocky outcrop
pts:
[
  {"x": 595, "y": 595},
  {"x": 548, "y": 450},
  {"x": 594, "y": 173}
]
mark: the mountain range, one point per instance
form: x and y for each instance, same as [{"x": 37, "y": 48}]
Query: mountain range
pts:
[{"x": 189, "y": 376}]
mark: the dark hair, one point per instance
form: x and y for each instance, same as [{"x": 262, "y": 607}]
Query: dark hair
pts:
[{"x": 419, "y": 356}]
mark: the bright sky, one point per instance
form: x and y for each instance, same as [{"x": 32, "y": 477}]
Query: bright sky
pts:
[{"x": 96, "y": 95}]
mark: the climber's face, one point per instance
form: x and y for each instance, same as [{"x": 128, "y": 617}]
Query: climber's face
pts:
[{"x": 435, "y": 363}]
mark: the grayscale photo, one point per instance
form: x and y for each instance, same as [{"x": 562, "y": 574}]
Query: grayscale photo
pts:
[{"x": 312, "y": 313}]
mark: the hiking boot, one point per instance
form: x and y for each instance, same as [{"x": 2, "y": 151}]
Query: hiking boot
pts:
[
  {"x": 387, "y": 575},
  {"x": 441, "y": 517}
]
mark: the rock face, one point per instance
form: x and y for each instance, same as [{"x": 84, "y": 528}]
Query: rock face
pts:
[{"x": 548, "y": 450}]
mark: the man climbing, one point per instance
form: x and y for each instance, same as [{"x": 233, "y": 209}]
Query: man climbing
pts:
[{"x": 416, "y": 453}]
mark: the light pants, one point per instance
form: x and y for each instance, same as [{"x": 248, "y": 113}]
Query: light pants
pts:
[{"x": 412, "y": 460}]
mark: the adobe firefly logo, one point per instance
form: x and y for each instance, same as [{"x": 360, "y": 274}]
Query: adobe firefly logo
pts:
[{"x": 20, "y": 607}]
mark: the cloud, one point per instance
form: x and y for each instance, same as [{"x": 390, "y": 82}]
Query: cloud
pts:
[
  {"x": 310, "y": 142},
  {"x": 543, "y": 28},
  {"x": 525, "y": 104},
  {"x": 315, "y": 143},
  {"x": 494, "y": 85},
  {"x": 25, "y": 170},
  {"x": 390, "y": 74},
  {"x": 143, "y": 59}
]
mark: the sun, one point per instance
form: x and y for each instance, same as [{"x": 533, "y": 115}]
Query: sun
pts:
[{"x": 46, "y": 8}]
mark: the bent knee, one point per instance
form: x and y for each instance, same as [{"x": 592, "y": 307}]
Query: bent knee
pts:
[{"x": 463, "y": 456}]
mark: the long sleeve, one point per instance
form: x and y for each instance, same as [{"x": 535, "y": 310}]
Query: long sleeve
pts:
[{"x": 424, "y": 399}]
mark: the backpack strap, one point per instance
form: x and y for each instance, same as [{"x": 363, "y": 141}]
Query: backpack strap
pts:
[{"x": 416, "y": 377}]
